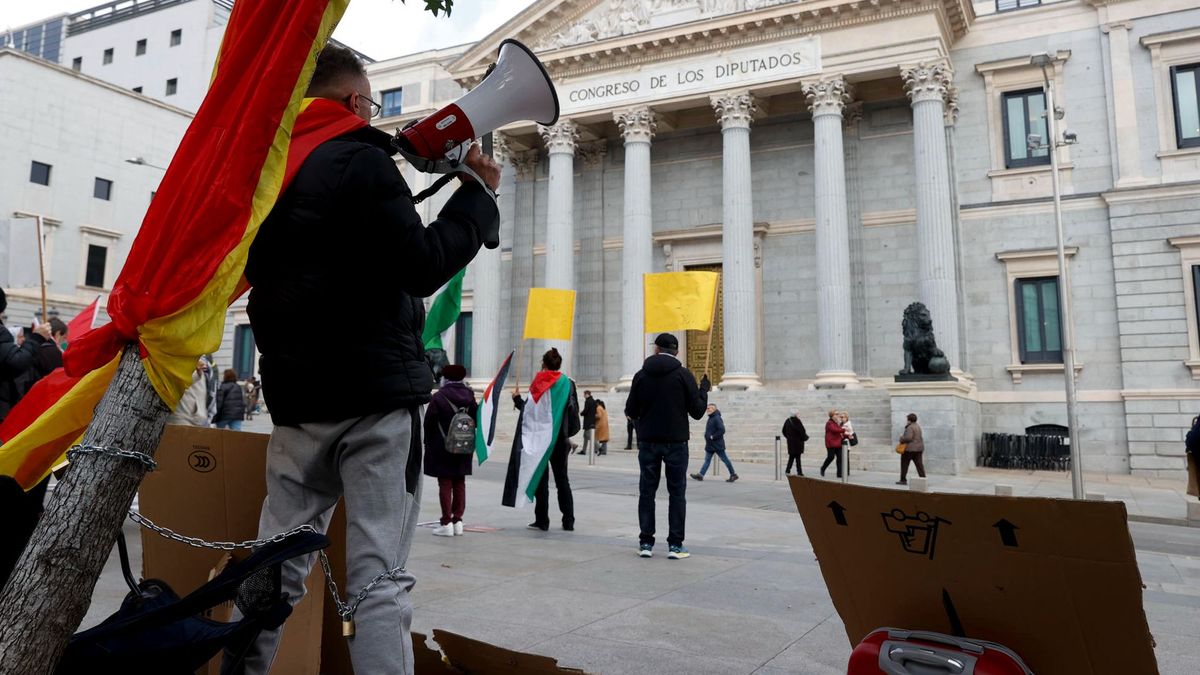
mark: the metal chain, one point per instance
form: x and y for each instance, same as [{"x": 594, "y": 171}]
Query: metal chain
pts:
[
  {"x": 347, "y": 610},
  {"x": 112, "y": 451},
  {"x": 216, "y": 545}
]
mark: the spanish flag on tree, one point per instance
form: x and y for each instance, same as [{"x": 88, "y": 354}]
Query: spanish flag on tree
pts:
[{"x": 252, "y": 133}]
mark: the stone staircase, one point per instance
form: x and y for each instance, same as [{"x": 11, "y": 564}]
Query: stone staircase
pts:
[{"x": 754, "y": 418}]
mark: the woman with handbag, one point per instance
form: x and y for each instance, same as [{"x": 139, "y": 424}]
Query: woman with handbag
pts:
[
  {"x": 444, "y": 459},
  {"x": 849, "y": 437},
  {"x": 834, "y": 435},
  {"x": 913, "y": 442}
]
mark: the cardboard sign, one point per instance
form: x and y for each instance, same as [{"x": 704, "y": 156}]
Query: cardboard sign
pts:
[
  {"x": 1055, "y": 580},
  {"x": 210, "y": 484}
]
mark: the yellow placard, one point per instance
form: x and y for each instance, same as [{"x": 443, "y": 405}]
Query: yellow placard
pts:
[
  {"x": 679, "y": 301},
  {"x": 550, "y": 314}
]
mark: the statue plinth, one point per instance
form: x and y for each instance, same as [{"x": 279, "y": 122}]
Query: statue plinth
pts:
[{"x": 925, "y": 377}]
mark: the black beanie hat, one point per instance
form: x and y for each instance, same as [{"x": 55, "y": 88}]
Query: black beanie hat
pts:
[{"x": 3, "y": 300}]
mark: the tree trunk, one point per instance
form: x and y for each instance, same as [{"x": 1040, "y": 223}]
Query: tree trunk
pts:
[{"x": 49, "y": 592}]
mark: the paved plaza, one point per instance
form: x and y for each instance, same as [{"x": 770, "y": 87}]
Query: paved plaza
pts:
[{"x": 751, "y": 598}]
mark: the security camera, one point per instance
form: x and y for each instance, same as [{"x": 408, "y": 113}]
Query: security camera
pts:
[
  {"x": 1033, "y": 141},
  {"x": 1059, "y": 112},
  {"x": 1069, "y": 137}
]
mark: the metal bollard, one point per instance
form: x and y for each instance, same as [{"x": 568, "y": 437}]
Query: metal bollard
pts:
[
  {"x": 592, "y": 451},
  {"x": 777, "y": 473}
]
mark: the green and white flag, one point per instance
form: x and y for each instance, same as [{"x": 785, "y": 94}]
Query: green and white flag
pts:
[
  {"x": 541, "y": 418},
  {"x": 444, "y": 312}
]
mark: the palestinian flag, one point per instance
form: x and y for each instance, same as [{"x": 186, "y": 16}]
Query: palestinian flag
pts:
[
  {"x": 541, "y": 418},
  {"x": 489, "y": 407},
  {"x": 444, "y": 311},
  {"x": 251, "y": 134}
]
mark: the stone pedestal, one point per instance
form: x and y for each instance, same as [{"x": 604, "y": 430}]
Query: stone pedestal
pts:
[{"x": 948, "y": 413}]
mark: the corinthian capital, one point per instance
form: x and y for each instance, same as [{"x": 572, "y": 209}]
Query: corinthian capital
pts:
[
  {"x": 525, "y": 163},
  {"x": 734, "y": 110},
  {"x": 637, "y": 124},
  {"x": 501, "y": 150},
  {"x": 930, "y": 81},
  {"x": 828, "y": 96},
  {"x": 560, "y": 138}
]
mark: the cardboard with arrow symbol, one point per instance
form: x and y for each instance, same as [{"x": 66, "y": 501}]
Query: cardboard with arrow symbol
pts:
[{"x": 1055, "y": 580}]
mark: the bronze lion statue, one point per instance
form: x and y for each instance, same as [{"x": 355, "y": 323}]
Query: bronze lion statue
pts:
[{"x": 921, "y": 353}]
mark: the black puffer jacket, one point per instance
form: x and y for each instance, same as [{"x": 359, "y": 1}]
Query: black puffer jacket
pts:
[
  {"x": 15, "y": 364},
  {"x": 345, "y": 241},
  {"x": 661, "y": 398},
  {"x": 231, "y": 403}
]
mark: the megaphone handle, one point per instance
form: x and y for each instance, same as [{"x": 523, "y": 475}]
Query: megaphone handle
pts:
[{"x": 446, "y": 178}]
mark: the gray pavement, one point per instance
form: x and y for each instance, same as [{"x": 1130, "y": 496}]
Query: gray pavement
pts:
[{"x": 750, "y": 599}]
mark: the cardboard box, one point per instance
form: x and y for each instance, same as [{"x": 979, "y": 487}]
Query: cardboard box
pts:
[
  {"x": 1055, "y": 580},
  {"x": 210, "y": 484}
]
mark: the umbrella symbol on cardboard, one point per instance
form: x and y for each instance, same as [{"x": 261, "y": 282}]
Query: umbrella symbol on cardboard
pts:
[{"x": 918, "y": 533}]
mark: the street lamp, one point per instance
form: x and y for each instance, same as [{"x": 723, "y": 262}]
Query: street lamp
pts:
[
  {"x": 1053, "y": 114},
  {"x": 141, "y": 161}
]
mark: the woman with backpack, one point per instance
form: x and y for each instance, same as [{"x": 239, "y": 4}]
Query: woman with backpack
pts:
[{"x": 449, "y": 435}]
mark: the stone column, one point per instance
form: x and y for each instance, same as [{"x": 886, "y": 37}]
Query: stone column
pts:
[
  {"x": 735, "y": 112},
  {"x": 928, "y": 85},
  {"x": 485, "y": 316},
  {"x": 560, "y": 142},
  {"x": 1124, "y": 98},
  {"x": 827, "y": 98},
  {"x": 637, "y": 127}
]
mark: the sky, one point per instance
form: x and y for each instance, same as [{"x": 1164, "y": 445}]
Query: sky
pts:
[{"x": 381, "y": 29}]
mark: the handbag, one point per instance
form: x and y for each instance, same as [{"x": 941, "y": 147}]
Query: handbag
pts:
[
  {"x": 854, "y": 439},
  {"x": 901, "y": 448}
]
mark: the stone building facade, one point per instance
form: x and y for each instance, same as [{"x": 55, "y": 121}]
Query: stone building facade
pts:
[{"x": 839, "y": 159}]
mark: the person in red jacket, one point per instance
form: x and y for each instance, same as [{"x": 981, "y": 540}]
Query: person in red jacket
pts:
[{"x": 834, "y": 435}]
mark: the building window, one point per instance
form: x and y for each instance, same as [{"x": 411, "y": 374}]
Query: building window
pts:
[
  {"x": 97, "y": 257},
  {"x": 141, "y": 47},
  {"x": 1039, "y": 327},
  {"x": 462, "y": 340},
  {"x": 102, "y": 189},
  {"x": 137, "y": 90},
  {"x": 1185, "y": 88},
  {"x": 1024, "y": 114},
  {"x": 1009, "y": 5},
  {"x": 77, "y": 63},
  {"x": 39, "y": 173},
  {"x": 243, "y": 351},
  {"x": 108, "y": 56},
  {"x": 176, "y": 37},
  {"x": 391, "y": 101},
  {"x": 172, "y": 86}
]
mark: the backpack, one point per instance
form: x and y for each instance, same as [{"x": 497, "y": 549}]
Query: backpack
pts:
[{"x": 460, "y": 440}]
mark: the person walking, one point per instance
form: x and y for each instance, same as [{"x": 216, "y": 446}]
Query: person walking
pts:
[
  {"x": 589, "y": 423},
  {"x": 793, "y": 431},
  {"x": 569, "y": 426},
  {"x": 849, "y": 438},
  {"x": 662, "y": 397},
  {"x": 450, "y": 469},
  {"x": 231, "y": 403},
  {"x": 714, "y": 444},
  {"x": 601, "y": 428},
  {"x": 914, "y": 449},
  {"x": 834, "y": 435}
]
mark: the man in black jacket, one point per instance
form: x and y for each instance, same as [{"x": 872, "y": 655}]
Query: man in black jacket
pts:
[
  {"x": 16, "y": 361},
  {"x": 589, "y": 422},
  {"x": 662, "y": 397},
  {"x": 345, "y": 235}
]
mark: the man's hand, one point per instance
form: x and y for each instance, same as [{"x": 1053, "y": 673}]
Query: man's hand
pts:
[
  {"x": 705, "y": 385},
  {"x": 484, "y": 165}
]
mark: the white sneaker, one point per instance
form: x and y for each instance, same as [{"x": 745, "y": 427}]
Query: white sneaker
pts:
[
  {"x": 443, "y": 531},
  {"x": 458, "y": 529}
]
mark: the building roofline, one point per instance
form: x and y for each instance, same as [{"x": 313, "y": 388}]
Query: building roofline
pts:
[{"x": 9, "y": 51}]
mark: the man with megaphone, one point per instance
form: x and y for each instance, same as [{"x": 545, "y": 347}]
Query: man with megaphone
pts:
[{"x": 344, "y": 239}]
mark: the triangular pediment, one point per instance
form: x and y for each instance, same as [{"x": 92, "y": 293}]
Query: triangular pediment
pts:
[{"x": 547, "y": 25}]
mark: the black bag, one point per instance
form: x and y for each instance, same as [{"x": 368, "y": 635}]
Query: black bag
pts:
[
  {"x": 460, "y": 440},
  {"x": 156, "y": 632},
  {"x": 853, "y": 439}
]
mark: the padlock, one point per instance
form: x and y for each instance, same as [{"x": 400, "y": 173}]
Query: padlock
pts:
[{"x": 348, "y": 628}]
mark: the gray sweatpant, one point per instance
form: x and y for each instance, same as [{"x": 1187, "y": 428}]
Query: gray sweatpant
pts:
[{"x": 366, "y": 459}]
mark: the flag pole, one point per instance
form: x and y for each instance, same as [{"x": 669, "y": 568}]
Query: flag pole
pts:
[
  {"x": 712, "y": 329},
  {"x": 42, "y": 267},
  {"x": 517, "y": 370}
]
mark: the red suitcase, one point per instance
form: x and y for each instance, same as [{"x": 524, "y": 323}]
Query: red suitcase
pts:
[{"x": 912, "y": 652}]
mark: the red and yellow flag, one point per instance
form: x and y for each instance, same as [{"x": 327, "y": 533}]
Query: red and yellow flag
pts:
[{"x": 186, "y": 264}]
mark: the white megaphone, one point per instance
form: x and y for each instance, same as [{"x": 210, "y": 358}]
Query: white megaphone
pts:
[{"x": 517, "y": 88}]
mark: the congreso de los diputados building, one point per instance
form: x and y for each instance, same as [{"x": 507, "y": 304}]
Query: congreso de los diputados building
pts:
[{"x": 836, "y": 161}]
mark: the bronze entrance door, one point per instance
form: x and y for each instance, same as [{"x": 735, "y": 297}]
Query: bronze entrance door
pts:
[{"x": 698, "y": 340}]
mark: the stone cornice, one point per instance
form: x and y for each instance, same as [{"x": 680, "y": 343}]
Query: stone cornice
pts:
[{"x": 707, "y": 35}]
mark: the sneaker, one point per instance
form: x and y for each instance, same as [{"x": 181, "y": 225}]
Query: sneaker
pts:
[
  {"x": 901, "y": 482},
  {"x": 678, "y": 553},
  {"x": 731, "y": 478},
  {"x": 697, "y": 476},
  {"x": 645, "y": 550},
  {"x": 443, "y": 531},
  {"x": 535, "y": 526},
  {"x": 458, "y": 529}
]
